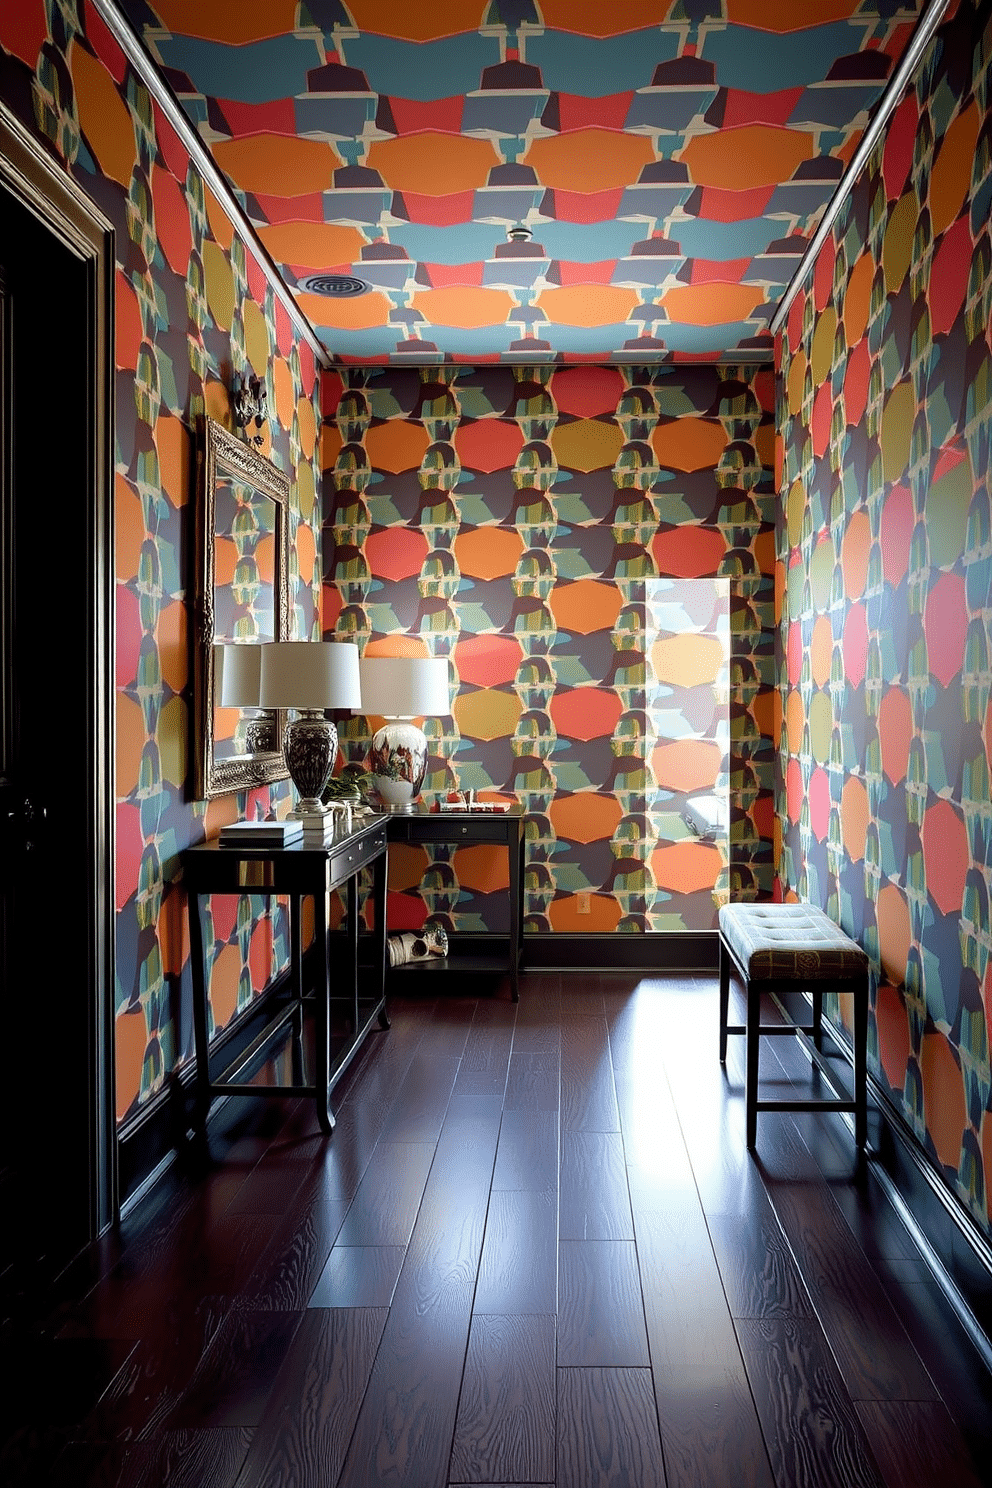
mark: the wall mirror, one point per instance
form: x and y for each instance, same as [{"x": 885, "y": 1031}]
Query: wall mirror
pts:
[{"x": 242, "y": 601}]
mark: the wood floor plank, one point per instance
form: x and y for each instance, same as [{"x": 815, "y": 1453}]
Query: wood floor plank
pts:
[
  {"x": 446, "y": 1031},
  {"x": 286, "y": 1277},
  {"x": 814, "y": 1437},
  {"x": 484, "y": 1064},
  {"x": 505, "y": 1428},
  {"x": 607, "y": 1430},
  {"x": 346, "y": 1156},
  {"x": 181, "y": 1459},
  {"x": 358, "y": 1276},
  {"x": 518, "y": 1271},
  {"x": 152, "y": 1381},
  {"x": 916, "y": 1444},
  {"x": 302, "y": 1437},
  {"x": 534, "y": 1079},
  {"x": 446, "y": 1241},
  {"x": 876, "y": 1358},
  {"x": 385, "y": 1206},
  {"x": 417, "y": 1113},
  {"x": 588, "y": 1097},
  {"x": 527, "y": 1152},
  {"x": 600, "y": 1310},
  {"x": 232, "y": 1382},
  {"x": 709, "y": 1426},
  {"x": 404, "y": 1431},
  {"x": 582, "y": 994},
  {"x": 593, "y": 1202},
  {"x": 760, "y": 1276}
]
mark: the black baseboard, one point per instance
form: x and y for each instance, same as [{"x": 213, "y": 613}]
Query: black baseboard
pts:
[
  {"x": 148, "y": 1144},
  {"x": 957, "y": 1251},
  {"x": 695, "y": 950}
]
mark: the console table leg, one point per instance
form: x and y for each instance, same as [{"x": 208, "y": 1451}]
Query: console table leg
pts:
[
  {"x": 378, "y": 900},
  {"x": 201, "y": 1035},
  {"x": 322, "y": 1020},
  {"x": 515, "y": 853}
]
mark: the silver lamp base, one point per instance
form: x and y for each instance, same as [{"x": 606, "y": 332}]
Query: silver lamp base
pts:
[{"x": 310, "y": 747}]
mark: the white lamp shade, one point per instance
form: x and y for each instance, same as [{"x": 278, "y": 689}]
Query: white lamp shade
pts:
[
  {"x": 405, "y": 686},
  {"x": 309, "y": 674},
  {"x": 237, "y": 671}
]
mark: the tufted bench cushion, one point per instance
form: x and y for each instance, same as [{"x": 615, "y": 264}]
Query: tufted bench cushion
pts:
[
  {"x": 790, "y": 942},
  {"x": 785, "y": 948}
]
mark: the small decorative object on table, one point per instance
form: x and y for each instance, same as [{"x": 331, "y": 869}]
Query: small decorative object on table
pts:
[{"x": 411, "y": 945}]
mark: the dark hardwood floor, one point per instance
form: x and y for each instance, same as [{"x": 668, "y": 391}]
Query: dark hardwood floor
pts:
[{"x": 533, "y": 1252}]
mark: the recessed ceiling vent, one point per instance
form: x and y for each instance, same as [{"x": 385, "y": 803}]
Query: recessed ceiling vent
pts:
[{"x": 338, "y": 286}]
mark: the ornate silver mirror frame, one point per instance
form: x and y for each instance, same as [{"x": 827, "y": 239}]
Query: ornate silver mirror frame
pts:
[{"x": 242, "y": 598}]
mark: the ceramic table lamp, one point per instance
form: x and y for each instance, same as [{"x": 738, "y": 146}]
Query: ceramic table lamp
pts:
[{"x": 401, "y": 689}]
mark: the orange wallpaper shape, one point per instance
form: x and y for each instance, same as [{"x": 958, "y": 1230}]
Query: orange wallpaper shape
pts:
[
  {"x": 464, "y": 306},
  {"x": 312, "y": 245},
  {"x": 753, "y": 155},
  {"x": 103, "y": 116},
  {"x": 488, "y": 552},
  {"x": 588, "y": 816},
  {"x": 689, "y": 443},
  {"x": 589, "y": 160},
  {"x": 277, "y": 164},
  {"x": 431, "y": 163},
  {"x": 587, "y": 305},
  {"x": 585, "y": 606}
]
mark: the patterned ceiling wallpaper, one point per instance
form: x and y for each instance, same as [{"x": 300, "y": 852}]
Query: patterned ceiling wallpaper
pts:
[
  {"x": 541, "y": 528},
  {"x": 526, "y": 180},
  {"x": 886, "y": 577}
]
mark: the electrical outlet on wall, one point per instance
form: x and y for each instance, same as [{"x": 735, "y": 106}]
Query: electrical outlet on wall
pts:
[{"x": 582, "y": 904}]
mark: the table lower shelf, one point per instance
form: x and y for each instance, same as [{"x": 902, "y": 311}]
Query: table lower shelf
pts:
[
  {"x": 281, "y": 1060},
  {"x": 468, "y": 955}
]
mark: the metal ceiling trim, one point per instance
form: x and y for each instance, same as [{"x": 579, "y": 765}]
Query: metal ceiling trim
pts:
[
  {"x": 920, "y": 40},
  {"x": 138, "y": 56}
]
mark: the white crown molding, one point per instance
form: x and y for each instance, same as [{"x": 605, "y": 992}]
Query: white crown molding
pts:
[
  {"x": 136, "y": 54},
  {"x": 925, "y": 27}
]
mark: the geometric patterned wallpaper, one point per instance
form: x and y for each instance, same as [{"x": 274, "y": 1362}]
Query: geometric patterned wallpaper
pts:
[
  {"x": 885, "y": 572},
  {"x": 192, "y": 308},
  {"x": 539, "y": 527},
  {"x": 528, "y": 180}
]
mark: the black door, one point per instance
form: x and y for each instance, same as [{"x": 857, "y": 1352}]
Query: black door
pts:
[{"x": 46, "y": 1014}]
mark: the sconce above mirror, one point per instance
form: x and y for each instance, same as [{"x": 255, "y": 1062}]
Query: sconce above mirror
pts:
[{"x": 242, "y": 600}]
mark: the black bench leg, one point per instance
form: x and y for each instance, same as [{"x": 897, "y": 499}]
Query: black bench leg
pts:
[
  {"x": 861, "y": 1068},
  {"x": 724, "y": 998},
  {"x": 753, "y": 1039},
  {"x": 817, "y": 1019}
]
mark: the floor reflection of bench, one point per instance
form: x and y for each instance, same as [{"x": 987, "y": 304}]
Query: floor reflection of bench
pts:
[{"x": 778, "y": 949}]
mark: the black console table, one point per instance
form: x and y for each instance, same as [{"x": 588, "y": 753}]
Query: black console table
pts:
[
  {"x": 345, "y": 1002},
  {"x": 471, "y": 829}
]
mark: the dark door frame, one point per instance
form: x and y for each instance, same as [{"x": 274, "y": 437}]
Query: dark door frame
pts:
[{"x": 30, "y": 173}]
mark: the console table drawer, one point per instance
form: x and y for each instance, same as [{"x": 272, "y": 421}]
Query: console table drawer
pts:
[{"x": 445, "y": 827}]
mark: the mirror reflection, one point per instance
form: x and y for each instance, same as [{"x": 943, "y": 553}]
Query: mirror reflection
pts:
[{"x": 243, "y": 591}]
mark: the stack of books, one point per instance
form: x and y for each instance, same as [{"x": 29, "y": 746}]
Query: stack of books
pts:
[
  {"x": 261, "y": 833},
  {"x": 319, "y": 829}
]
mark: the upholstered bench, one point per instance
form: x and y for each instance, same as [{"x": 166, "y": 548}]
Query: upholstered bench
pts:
[{"x": 785, "y": 948}]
